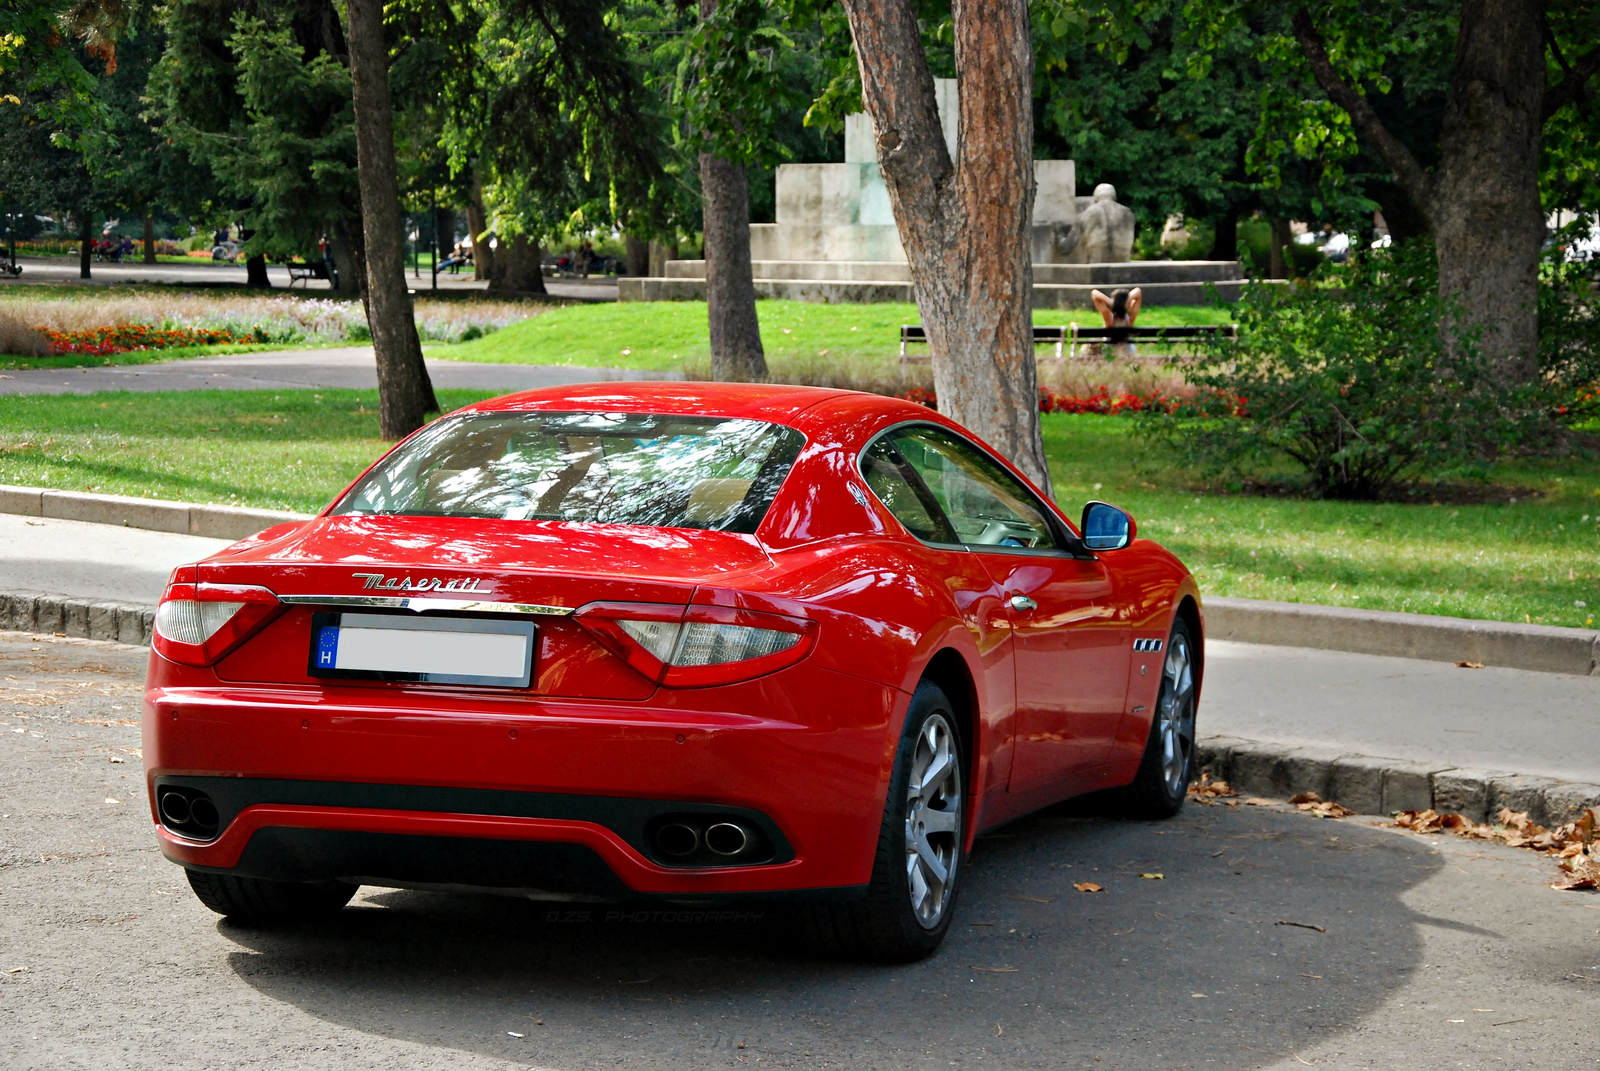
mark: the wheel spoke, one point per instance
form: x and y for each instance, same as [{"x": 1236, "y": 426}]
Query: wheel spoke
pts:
[
  {"x": 936, "y": 773},
  {"x": 930, "y": 858},
  {"x": 933, "y": 821}
]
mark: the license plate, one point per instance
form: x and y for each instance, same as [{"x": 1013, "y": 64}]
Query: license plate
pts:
[{"x": 436, "y": 650}]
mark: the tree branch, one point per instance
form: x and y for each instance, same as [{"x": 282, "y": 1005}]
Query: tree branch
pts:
[
  {"x": 1570, "y": 87},
  {"x": 1369, "y": 127}
]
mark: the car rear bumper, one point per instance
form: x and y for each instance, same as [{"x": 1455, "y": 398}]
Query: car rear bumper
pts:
[{"x": 417, "y": 785}]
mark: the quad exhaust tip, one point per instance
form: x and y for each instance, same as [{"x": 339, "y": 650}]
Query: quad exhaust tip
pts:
[
  {"x": 188, "y": 812},
  {"x": 725, "y": 838},
  {"x": 677, "y": 839}
]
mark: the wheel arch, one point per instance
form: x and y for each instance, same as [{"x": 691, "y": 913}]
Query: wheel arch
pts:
[
  {"x": 1189, "y": 613},
  {"x": 949, "y": 670}
]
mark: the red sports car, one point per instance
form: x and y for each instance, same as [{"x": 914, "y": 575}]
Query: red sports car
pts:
[{"x": 698, "y": 642}]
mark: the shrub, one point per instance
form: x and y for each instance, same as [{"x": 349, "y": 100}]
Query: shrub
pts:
[
  {"x": 1353, "y": 382},
  {"x": 1569, "y": 325}
]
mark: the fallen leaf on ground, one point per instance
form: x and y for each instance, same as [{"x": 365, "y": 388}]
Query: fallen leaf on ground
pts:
[
  {"x": 1087, "y": 886},
  {"x": 1153, "y": 877},
  {"x": 1469, "y": 665},
  {"x": 19, "y": 970},
  {"x": 1571, "y": 843},
  {"x": 1260, "y": 801},
  {"x": 1030, "y": 899},
  {"x": 1302, "y": 925},
  {"x": 1326, "y": 810},
  {"x": 996, "y": 970},
  {"x": 1122, "y": 933},
  {"x": 1206, "y": 788},
  {"x": 1305, "y": 797}
]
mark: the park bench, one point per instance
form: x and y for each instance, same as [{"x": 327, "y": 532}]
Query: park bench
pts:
[
  {"x": 300, "y": 272},
  {"x": 1073, "y": 335}
]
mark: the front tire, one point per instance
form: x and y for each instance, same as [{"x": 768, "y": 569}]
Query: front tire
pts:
[
  {"x": 921, "y": 845},
  {"x": 1167, "y": 768},
  {"x": 256, "y": 900}
]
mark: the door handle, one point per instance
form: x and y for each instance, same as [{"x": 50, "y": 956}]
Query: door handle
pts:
[{"x": 1022, "y": 602}]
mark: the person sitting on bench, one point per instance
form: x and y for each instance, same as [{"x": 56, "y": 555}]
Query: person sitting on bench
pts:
[{"x": 1121, "y": 309}]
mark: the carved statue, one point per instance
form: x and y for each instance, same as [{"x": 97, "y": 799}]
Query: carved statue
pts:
[{"x": 1103, "y": 233}]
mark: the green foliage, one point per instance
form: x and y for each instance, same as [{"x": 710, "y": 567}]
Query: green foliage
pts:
[
  {"x": 732, "y": 85},
  {"x": 1569, "y": 325},
  {"x": 1358, "y": 383}
]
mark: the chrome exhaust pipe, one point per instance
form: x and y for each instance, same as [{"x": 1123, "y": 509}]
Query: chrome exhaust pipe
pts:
[
  {"x": 725, "y": 838},
  {"x": 203, "y": 813},
  {"x": 175, "y": 809},
  {"x": 676, "y": 839}
]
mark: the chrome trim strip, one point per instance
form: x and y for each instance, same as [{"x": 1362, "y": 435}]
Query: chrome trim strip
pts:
[{"x": 423, "y": 605}]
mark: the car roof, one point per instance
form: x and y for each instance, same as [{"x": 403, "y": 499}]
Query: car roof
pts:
[{"x": 754, "y": 401}]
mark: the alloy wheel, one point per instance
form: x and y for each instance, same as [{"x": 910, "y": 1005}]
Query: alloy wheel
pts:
[
  {"x": 1175, "y": 714},
  {"x": 933, "y": 820}
]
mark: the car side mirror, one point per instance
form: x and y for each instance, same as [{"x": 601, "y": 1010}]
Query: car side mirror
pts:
[{"x": 1105, "y": 527}]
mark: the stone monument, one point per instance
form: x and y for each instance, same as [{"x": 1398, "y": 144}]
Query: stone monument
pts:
[
  {"x": 835, "y": 237},
  {"x": 1103, "y": 233}
]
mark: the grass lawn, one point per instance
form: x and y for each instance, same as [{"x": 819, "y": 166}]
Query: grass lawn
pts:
[
  {"x": 1533, "y": 560},
  {"x": 663, "y": 335}
]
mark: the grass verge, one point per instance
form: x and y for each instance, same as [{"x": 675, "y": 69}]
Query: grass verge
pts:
[{"x": 1533, "y": 559}]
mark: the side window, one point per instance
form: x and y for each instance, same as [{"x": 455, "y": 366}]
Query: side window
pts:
[
  {"x": 890, "y": 478},
  {"x": 983, "y": 503}
]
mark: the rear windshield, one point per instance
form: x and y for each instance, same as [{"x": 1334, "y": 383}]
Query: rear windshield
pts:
[{"x": 609, "y": 468}]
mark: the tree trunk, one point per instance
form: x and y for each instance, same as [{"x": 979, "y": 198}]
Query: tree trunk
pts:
[
  {"x": 347, "y": 270},
  {"x": 149, "y": 239},
  {"x": 736, "y": 352},
  {"x": 405, "y": 395},
  {"x": 660, "y": 253},
  {"x": 85, "y": 242},
  {"x": 1482, "y": 202},
  {"x": 1488, "y": 224},
  {"x": 638, "y": 257},
  {"x": 964, "y": 223},
  {"x": 519, "y": 267},
  {"x": 1226, "y": 244},
  {"x": 482, "y": 252},
  {"x": 1278, "y": 263}
]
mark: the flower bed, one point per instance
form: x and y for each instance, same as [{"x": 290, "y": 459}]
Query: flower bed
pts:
[
  {"x": 125, "y": 338},
  {"x": 1099, "y": 400}
]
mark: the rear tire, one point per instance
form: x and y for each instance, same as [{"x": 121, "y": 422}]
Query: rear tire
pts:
[
  {"x": 256, "y": 900},
  {"x": 1167, "y": 768},
  {"x": 921, "y": 846}
]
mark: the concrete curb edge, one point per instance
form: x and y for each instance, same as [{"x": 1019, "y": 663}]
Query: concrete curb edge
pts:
[
  {"x": 1372, "y": 785},
  {"x": 1547, "y": 648},
  {"x": 184, "y": 518},
  {"x": 63, "y": 615}
]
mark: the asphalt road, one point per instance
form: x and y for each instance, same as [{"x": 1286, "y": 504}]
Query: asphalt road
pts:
[
  {"x": 351, "y": 367},
  {"x": 1438, "y": 953},
  {"x": 63, "y": 271}
]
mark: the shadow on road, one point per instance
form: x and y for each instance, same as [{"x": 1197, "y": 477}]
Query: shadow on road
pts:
[{"x": 1191, "y": 968}]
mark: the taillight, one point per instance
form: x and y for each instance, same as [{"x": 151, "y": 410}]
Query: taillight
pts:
[
  {"x": 197, "y": 624},
  {"x": 694, "y": 646}
]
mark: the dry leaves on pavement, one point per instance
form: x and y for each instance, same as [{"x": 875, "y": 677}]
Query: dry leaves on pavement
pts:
[
  {"x": 1571, "y": 844},
  {"x": 1312, "y": 803},
  {"x": 1208, "y": 789},
  {"x": 1088, "y": 886}
]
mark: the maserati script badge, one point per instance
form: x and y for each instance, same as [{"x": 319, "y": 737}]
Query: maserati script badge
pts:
[{"x": 427, "y": 583}]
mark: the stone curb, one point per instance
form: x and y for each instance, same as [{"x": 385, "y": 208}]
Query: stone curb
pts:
[
  {"x": 1369, "y": 785},
  {"x": 186, "y": 518},
  {"x": 39, "y": 611},
  {"x": 1546, "y": 648}
]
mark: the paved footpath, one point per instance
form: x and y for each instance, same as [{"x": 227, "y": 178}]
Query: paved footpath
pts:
[
  {"x": 1502, "y": 719},
  {"x": 351, "y": 367},
  {"x": 1433, "y": 952}
]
